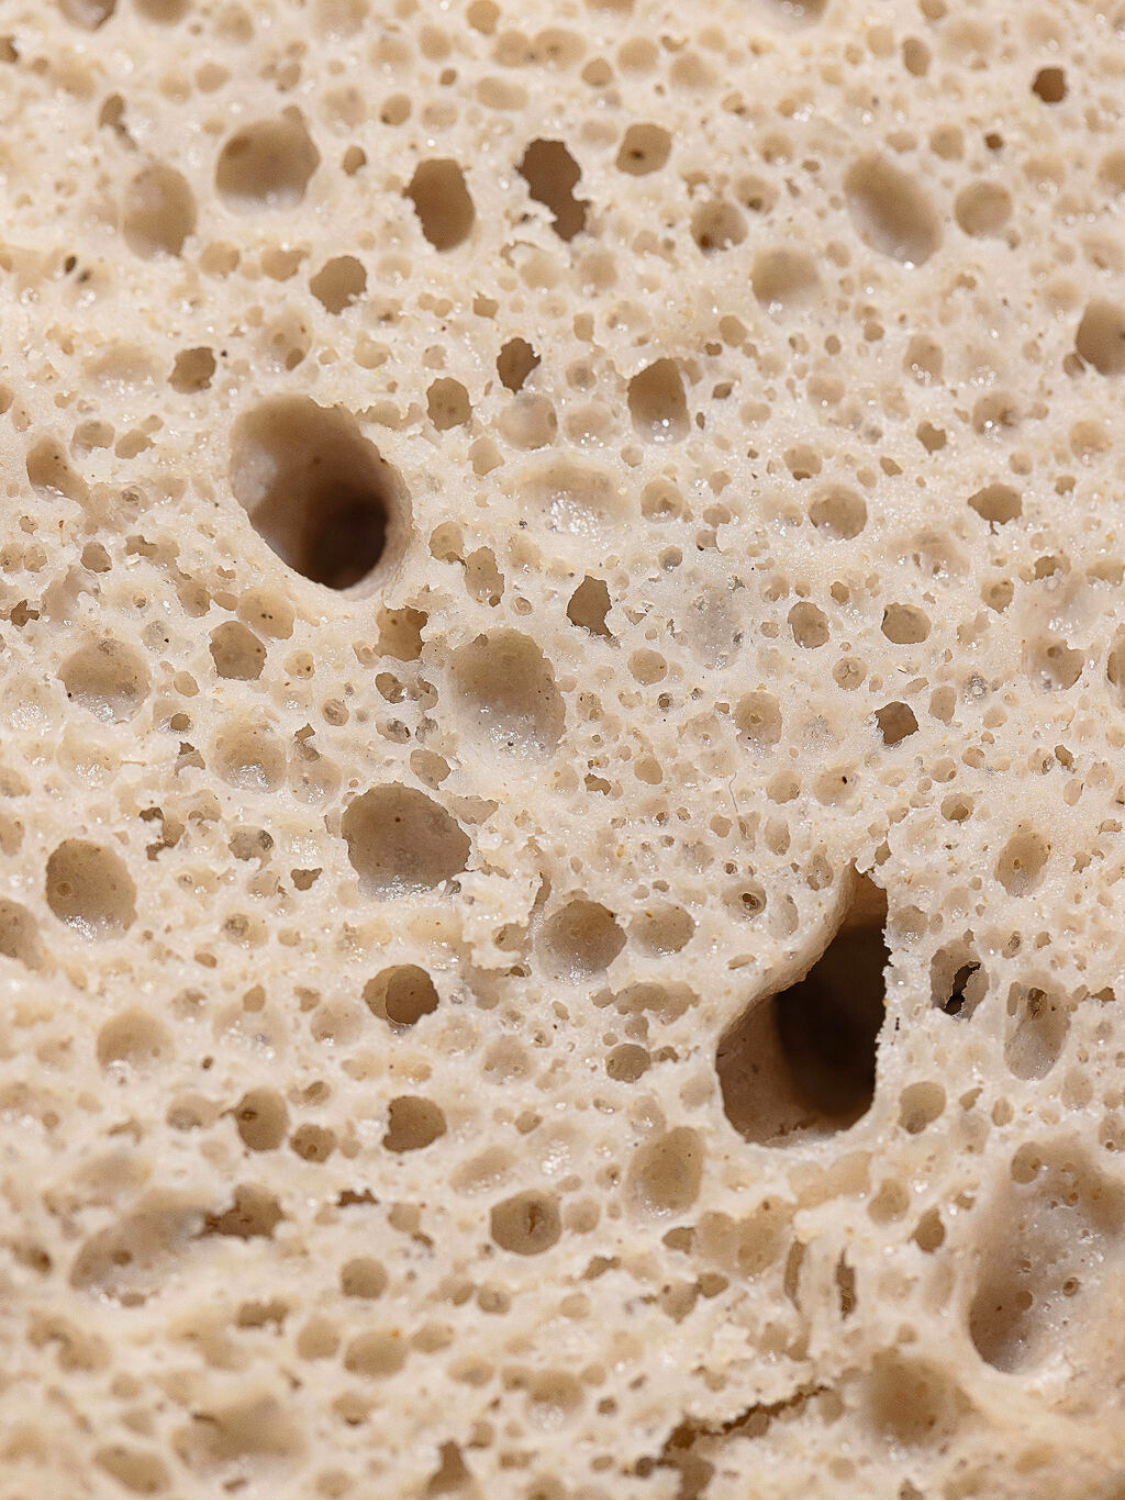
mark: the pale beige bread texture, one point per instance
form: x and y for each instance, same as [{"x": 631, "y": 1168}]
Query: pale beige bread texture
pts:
[{"x": 523, "y": 527}]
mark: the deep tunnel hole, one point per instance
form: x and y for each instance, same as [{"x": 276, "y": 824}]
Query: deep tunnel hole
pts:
[
  {"x": 318, "y": 492},
  {"x": 802, "y": 1061}
]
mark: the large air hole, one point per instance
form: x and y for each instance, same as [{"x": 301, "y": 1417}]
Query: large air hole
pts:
[
  {"x": 552, "y": 174},
  {"x": 159, "y": 211},
  {"x": 801, "y": 1064},
  {"x": 892, "y": 213},
  {"x": 237, "y": 652},
  {"x": 583, "y": 938},
  {"x": 506, "y": 690},
  {"x": 442, "y": 202},
  {"x": 665, "y": 1174},
  {"x": 1100, "y": 339},
  {"x": 657, "y": 403},
  {"x": 413, "y": 1124},
  {"x": 839, "y": 513},
  {"x": 134, "y": 1040},
  {"x": 1021, "y": 862},
  {"x": 983, "y": 208},
  {"x": 51, "y": 475},
  {"x": 249, "y": 755},
  {"x": 527, "y": 1224},
  {"x": 515, "y": 363},
  {"x": 262, "y": 1119},
  {"x": 997, "y": 504},
  {"x": 717, "y": 225},
  {"x": 90, "y": 889},
  {"x": 339, "y": 282},
  {"x": 267, "y": 164},
  {"x": 783, "y": 278},
  {"x": 319, "y": 493},
  {"x": 401, "y": 841},
  {"x": 590, "y": 603},
  {"x": 108, "y": 678},
  {"x": 644, "y": 149},
  {"x": 402, "y": 994}
]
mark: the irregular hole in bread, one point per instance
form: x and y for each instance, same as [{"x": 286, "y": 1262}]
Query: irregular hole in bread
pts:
[
  {"x": 801, "y": 1064},
  {"x": 319, "y": 493}
]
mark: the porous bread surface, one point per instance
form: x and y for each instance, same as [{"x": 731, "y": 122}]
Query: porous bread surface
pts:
[{"x": 524, "y": 527}]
